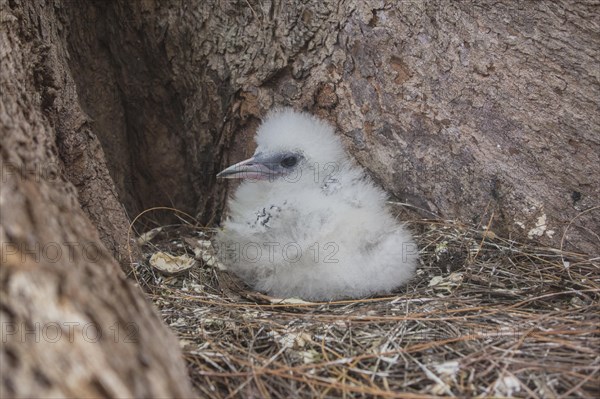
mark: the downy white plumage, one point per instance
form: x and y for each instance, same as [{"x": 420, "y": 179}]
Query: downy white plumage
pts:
[{"x": 308, "y": 222}]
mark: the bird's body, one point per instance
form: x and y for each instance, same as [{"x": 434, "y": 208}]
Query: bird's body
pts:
[{"x": 310, "y": 223}]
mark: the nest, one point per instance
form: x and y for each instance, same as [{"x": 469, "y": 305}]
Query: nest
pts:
[{"x": 485, "y": 316}]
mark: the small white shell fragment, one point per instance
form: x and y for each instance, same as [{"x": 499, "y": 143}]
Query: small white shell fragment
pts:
[
  {"x": 507, "y": 386},
  {"x": 148, "y": 236},
  {"x": 289, "y": 301},
  {"x": 170, "y": 264},
  {"x": 447, "y": 369},
  {"x": 448, "y": 282}
]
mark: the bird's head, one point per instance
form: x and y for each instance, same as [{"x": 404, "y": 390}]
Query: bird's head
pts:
[{"x": 289, "y": 143}]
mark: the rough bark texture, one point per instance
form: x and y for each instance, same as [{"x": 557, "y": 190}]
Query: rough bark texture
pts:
[
  {"x": 468, "y": 110},
  {"x": 72, "y": 325},
  {"x": 159, "y": 122},
  {"x": 461, "y": 108},
  {"x": 465, "y": 109}
]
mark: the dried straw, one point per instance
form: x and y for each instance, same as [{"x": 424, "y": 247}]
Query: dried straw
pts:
[{"x": 485, "y": 316}]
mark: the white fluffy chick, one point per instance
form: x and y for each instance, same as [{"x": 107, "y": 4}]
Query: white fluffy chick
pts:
[{"x": 307, "y": 222}]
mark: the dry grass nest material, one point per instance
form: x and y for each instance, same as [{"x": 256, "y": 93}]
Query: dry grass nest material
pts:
[{"x": 484, "y": 316}]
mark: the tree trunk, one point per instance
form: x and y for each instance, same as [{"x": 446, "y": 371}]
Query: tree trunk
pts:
[
  {"x": 485, "y": 112},
  {"x": 72, "y": 325},
  {"x": 478, "y": 111}
]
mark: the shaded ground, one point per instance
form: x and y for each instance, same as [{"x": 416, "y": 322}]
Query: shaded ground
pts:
[{"x": 484, "y": 316}]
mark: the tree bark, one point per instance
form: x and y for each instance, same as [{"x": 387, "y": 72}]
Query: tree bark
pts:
[
  {"x": 477, "y": 111},
  {"x": 485, "y": 112},
  {"x": 72, "y": 325}
]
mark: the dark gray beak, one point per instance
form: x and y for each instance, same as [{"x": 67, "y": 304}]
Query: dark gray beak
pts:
[{"x": 248, "y": 169}]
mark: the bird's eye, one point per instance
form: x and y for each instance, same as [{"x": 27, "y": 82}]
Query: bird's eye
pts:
[{"x": 289, "y": 161}]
